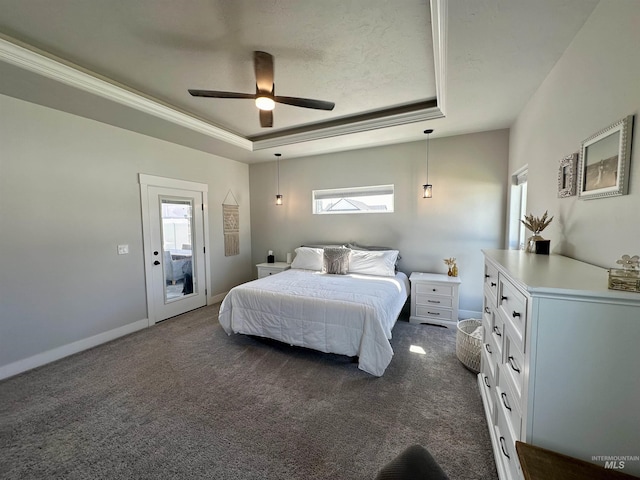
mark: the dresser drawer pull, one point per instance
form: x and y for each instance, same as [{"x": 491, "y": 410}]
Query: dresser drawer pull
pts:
[
  {"x": 435, "y": 289},
  {"x": 487, "y": 310},
  {"x": 513, "y": 365},
  {"x": 493, "y": 284},
  {"x": 486, "y": 381},
  {"x": 497, "y": 331},
  {"x": 503, "y": 298},
  {"x": 433, "y": 313},
  {"x": 504, "y": 401},
  {"x": 433, "y": 301},
  {"x": 486, "y": 275},
  {"x": 504, "y": 450},
  {"x": 515, "y": 314},
  {"x": 486, "y": 347}
]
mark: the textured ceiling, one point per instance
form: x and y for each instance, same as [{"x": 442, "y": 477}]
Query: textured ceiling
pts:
[{"x": 364, "y": 55}]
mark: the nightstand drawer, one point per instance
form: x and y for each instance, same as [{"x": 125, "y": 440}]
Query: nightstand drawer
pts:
[
  {"x": 265, "y": 272},
  {"x": 429, "y": 301},
  {"x": 439, "y": 313},
  {"x": 266, "y": 269},
  {"x": 434, "y": 289}
]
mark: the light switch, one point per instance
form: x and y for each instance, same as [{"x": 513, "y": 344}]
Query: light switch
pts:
[{"x": 123, "y": 249}]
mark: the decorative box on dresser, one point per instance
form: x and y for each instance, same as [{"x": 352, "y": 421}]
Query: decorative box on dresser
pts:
[
  {"x": 434, "y": 299},
  {"x": 560, "y": 360},
  {"x": 266, "y": 269}
]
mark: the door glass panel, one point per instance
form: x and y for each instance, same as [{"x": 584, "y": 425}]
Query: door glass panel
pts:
[{"x": 177, "y": 246}]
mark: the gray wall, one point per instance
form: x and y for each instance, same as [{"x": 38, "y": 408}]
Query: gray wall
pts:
[
  {"x": 69, "y": 194},
  {"x": 593, "y": 85},
  {"x": 466, "y": 214}
]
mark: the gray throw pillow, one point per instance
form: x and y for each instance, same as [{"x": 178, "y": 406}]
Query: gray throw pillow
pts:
[{"x": 336, "y": 260}]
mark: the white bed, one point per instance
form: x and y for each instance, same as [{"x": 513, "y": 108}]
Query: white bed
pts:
[{"x": 349, "y": 314}]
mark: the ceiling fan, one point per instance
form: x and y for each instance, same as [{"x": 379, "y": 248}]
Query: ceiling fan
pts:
[{"x": 265, "y": 96}]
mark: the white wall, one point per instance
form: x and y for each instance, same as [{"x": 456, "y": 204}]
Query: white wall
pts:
[
  {"x": 69, "y": 194},
  {"x": 593, "y": 85},
  {"x": 466, "y": 214}
]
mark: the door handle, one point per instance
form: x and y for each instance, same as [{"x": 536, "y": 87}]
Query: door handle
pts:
[{"x": 156, "y": 262}]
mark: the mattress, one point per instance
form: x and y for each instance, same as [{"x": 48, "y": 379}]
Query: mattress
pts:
[{"x": 344, "y": 314}]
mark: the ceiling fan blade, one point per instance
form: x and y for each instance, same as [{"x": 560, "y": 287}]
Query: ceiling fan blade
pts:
[
  {"x": 305, "y": 103},
  {"x": 266, "y": 118},
  {"x": 263, "y": 65},
  {"x": 216, "y": 94}
]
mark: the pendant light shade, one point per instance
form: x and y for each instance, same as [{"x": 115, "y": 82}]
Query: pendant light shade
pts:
[
  {"x": 427, "y": 187},
  {"x": 278, "y": 196}
]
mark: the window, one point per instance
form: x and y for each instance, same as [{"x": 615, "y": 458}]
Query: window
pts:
[
  {"x": 375, "y": 199},
  {"x": 518, "y": 209}
]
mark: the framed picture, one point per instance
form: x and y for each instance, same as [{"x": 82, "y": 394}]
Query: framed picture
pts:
[
  {"x": 567, "y": 176},
  {"x": 604, "y": 161}
]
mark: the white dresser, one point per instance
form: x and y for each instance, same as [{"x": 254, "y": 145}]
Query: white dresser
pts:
[
  {"x": 560, "y": 360},
  {"x": 266, "y": 269},
  {"x": 434, "y": 299}
]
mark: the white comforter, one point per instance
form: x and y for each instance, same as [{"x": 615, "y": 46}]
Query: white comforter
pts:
[{"x": 343, "y": 314}]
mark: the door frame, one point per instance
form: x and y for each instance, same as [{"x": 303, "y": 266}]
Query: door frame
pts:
[{"x": 147, "y": 181}]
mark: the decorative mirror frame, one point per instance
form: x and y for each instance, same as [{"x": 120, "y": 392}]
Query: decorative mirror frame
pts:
[
  {"x": 611, "y": 161},
  {"x": 567, "y": 176}
]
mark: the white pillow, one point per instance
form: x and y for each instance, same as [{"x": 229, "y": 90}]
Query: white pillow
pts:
[
  {"x": 308, "y": 258},
  {"x": 378, "y": 262}
]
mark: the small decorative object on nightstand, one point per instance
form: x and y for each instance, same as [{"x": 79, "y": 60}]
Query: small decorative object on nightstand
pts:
[
  {"x": 434, "y": 299},
  {"x": 266, "y": 269}
]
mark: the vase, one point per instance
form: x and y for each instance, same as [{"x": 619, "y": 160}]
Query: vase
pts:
[
  {"x": 531, "y": 242},
  {"x": 450, "y": 272}
]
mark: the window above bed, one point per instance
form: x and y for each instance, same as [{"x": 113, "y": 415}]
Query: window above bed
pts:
[{"x": 372, "y": 199}]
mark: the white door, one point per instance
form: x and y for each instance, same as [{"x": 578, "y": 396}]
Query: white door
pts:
[{"x": 175, "y": 249}]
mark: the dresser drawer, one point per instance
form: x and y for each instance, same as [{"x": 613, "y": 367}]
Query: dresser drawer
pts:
[
  {"x": 512, "y": 367},
  {"x": 430, "y": 301},
  {"x": 491, "y": 281},
  {"x": 489, "y": 384},
  {"x": 507, "y": 446},
  {"x": 434, "y": 289},
  {"x": 489, "y": 349},
  {"x": 513, "y": 306},
  {"x": 434, "y": 312},
  {"x": 508, "y": 402}
]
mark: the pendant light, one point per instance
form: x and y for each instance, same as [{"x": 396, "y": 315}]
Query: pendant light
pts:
[
  {"x": 278, "y": 196},
  {"x": 428, "y": 188}
]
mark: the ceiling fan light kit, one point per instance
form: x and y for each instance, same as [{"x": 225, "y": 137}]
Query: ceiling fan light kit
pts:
[
  {"x": 265, "y": 103},
  {"x": 264, "y": 97}
]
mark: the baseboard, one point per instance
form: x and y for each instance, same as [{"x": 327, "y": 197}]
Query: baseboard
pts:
[
  {"x": 217, "y": 298},
  {"x": 49, "y": 356},
  {"x": 464, "y": 314}
]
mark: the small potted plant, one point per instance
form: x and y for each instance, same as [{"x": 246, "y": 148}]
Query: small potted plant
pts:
[
  {"x": 535, "y": 225},
  {"x": 453, "y": 268}
]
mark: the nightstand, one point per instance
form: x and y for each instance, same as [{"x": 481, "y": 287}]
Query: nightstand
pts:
[
  {"x": 266, "y": 269},
  {"x": 434, "y": 299}
]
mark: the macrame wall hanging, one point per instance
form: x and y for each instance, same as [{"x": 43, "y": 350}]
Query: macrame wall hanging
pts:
[{"x": 231, "y": 226}]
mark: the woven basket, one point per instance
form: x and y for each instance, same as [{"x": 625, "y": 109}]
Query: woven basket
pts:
[{"x": 468, "y": 348}]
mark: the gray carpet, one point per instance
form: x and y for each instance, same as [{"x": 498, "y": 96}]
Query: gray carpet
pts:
[{"x": 184, "y": 400}]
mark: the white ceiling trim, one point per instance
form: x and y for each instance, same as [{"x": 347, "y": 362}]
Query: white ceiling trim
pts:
[
  {"x": 439, "y": 15},
  {"x": 72, "y": 75},
  {"x": 355, "y": 127}
]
